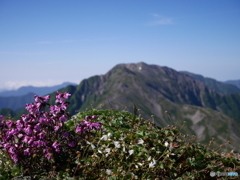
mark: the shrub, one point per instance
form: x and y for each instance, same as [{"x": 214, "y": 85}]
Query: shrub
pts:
[{"x": 102, "y": 144}]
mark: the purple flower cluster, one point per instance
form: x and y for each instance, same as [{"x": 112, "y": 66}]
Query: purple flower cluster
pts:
[
  {"x": 41, "y": 133},
  {"x": 88, "y": 125},
  {"x": 30, "y": 134}
]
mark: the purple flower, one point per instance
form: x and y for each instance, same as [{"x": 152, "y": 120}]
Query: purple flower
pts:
[
  {"x": 31, "y": 139},
  {"x": 64, "y": 106},
  {"x": 62, "y": 95},
  {"x": 66, "y": 95},
  {"x": 20, "y": 135},
  {"x": 48, "y": 155},
  {"x": 87, "y": 123},
  {"x": 61, "y": 101},
  {"x": 79, "y": 129},
  {"x": 6, "y": 145},
  {"x": 88, "y": 117},
  {"x": 37, "y": 128},
  {"x": 43, "y": 120},
  {"x": 65, "y": 134},
  {"x": 31, "y": 108},
  {"x": 39, "y": 143},
  {"x": 94, "y": 117},
  {"x": 24, "y": 117},
  {"x": 10, "y": 124},
  {"x": 41, "y": 135},
  {"x": 19, "y": 124},
  {"x": 26, "y": 139},
  {"x": 28, "y": 130},
  {"x": 72, "y": 144},
  {"x": 41, "y": 99},
  {"x": 63, "y": 118},
  {"x": 12, "y": 132},
  {"x": 55, "y": 144},
  {"x": 26, "y": 152},
  {"x": 96, "y": 125},
  {"x": 55, "y": 109},
  {"x": 12, "y": 150},
  {"x": 14, "y": 158},
  {"x": 56, "y": 128},
  {"x": 1, "y": 117},
  {"x": 58, "y": 150}
]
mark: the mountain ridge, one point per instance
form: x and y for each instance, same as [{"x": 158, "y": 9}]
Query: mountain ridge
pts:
[
  {"x": 41, "y": 91},
  {"x": 154, "y": 90},
  {"x": 220, "y": 87},
  {"x": 172, "y": 97},
  {"x": 233, "y": 82}
]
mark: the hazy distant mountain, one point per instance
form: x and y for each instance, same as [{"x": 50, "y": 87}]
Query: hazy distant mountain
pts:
[
  {"x": 16, "y": 102},
  {"x": 156, "y": 89},
  {"x": 7, "y": 112},
  {"x": 36, "y": 90},
  {"x": 228, "y": 87},
  {"x": 233, "y": 82},
  {"x": 1, "y": 90}
]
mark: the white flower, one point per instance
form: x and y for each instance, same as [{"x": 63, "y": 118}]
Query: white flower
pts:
[
  {"x": 149, "y": 159},
  {"x": 140, "y": 141},
  {"x": 106, "y": 137},
  {"x": 117, "y": 144},
  {"x": 140, "y": 164},
  {"x": 108, "y": 171},
  {"x": 93, "y": 147},
  {"x": 99, "y": 151},
  {"x": 152, "y": 163},
  {"x": 121, "y": 138},
  {"x": 131, "y": 152},
  {"x": 108, "y": 150},
  {"x": 166, "y": 144}
]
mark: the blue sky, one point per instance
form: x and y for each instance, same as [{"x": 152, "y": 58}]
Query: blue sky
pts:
[{"x": 48, "y": 42}]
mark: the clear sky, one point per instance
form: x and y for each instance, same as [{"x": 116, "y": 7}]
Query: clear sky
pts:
[{"x": 47, "y": 42}]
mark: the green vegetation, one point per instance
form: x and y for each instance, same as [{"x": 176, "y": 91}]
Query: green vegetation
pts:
[{"x": 129, "y": 147}]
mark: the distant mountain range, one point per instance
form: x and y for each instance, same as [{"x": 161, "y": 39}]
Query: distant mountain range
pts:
[
  {"x": 233, "y": 82},
  {"x": 210, "y": 108},
  {"x": 41, "y": 91},
  {"x": 228, "y": 87},
  {"x": 17, "y": 99}
]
